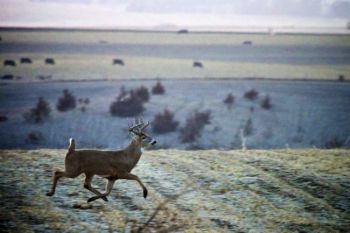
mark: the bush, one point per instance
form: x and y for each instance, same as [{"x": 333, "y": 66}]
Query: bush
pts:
[
  {"x": 248, "y": 127},
  {"x": 83, "y": 102},
  {"x": 229, "y": 100},
  {"x": 341, "y": 78},
  {"x": 251, "y": 94},
  {"x": 266, "y": 103},
  {"x": 164, "y": 122},
  {"x": 194, "y": 126},
  {"x": 3, "y": 118},
  {"x": 127, "y": 106},
  {"x": 334, "y": 142},
  {"x": 158, "y": 89},
  {"x": 34, "y": 137},
  {"x": 142, "y": 93},
  {"x": 39, "y": 113},
  {"x": 66, "y": 102}
]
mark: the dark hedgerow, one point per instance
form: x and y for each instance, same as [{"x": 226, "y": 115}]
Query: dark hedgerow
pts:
[
  {"x": 66, "y": 102},
  {"x": 266, "y": 102},
  {"x": 143, "y": 93},
  {"x": 127, "y": 105},
  {"x": 251, "y": 94},
  {"x": 38, "y": 114},
  {"x": 158, "y": 89},
  {"x": 194, "y": 126},
  {"x": 164, "y": 122}
]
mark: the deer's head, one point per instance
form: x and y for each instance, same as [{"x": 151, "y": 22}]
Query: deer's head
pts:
[{"x": 140, "y": 135}]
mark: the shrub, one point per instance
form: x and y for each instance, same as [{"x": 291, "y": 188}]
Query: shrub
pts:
[
  {"x": 194, "y": 126},
  {"x": 143, "y": 93},
  {"x": 34, "y": 137},
  {"x": 248, "y": 127},
  {"x": 39, "y": 113},
  {"x": 3, "y": 118},
  {"x": 266, "y": 103},
  {"x": 251, "y": 94},
  {"x": 158, "y": 89},
  {"x": 164, "y": 122},
  {"x": 341, "y": 78},
  {"x": 83, "y": 104},
  {"x": 66, "y": 102},
  {"x": 229, "y": 100},
  {"x": 127, "y": 106},
  {"x": 334, "y": 142}
]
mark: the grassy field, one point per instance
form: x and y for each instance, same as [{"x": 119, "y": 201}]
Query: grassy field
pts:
[
  {"x": 80, "y": 66},
  {"x": 79, "y": 37},
  {"x": 98, "y": 67},
  {"x": 192, "y": 191}
]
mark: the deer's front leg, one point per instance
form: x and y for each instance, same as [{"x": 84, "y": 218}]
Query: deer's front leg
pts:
[{"x": 129, "y": 176}]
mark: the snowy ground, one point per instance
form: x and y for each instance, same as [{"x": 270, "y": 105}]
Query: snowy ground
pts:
[
  {"x": 236, "y": 191},
  {"x": 303, "y": 114}
]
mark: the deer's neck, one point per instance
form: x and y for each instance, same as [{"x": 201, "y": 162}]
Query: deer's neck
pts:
[{"x": 134, "y": 152}]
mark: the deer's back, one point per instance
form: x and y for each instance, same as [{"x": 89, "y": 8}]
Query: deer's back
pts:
[{"x": 97, "y": 162}]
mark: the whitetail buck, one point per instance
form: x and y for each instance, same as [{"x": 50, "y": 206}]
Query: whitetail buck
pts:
[{"x": 112, "y": 165}]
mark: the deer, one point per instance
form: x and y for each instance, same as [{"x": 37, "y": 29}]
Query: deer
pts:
[{"x": 112, "y": 165}]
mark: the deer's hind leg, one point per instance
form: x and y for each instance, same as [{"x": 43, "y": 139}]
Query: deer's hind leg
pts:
[
  {"x": 87, "y": 185},
  {"x": 109, "y": 187},
  {"x": 57, "y": 175}
]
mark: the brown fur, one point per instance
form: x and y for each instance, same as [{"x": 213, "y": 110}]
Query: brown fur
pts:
[{"x": 112, "y": 165}]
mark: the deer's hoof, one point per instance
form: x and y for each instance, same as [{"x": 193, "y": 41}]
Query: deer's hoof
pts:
[
  {"x": 145, "y": 192},
  {"x": 49, "y": 194},
  {"x": 105, "y": 199}
]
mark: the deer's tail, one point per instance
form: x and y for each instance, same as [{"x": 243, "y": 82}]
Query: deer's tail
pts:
[{"x": 71, "y": 147}]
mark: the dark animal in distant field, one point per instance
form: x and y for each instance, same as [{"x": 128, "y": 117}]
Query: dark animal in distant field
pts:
[
  {"x": 49, "y": 61},
  {"x": 197, "y": 64},
  {"x": 26, "y": 60},
  {"x": 117, "y": 61},
  {"x": 9, "y": 63},
  {"x": 182, "y": 31},
  {"x": 247, "y": 42},
  {"x": 44, "y": 77},
  {"x": 7, "y": 77},
  {"x": 3, "y": 118}
]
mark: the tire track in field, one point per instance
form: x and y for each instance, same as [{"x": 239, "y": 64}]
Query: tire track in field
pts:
[
  {"x": 335, "y": 196},
  {"x": 263, "y": 185},
  {"x": 310, "y": 203},
  {"x": 223, "y": 202}
]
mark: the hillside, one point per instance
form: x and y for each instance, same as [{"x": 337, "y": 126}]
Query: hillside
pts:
[{"x": 217, "y": 191}]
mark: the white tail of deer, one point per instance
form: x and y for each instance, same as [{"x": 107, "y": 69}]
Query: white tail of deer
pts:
[{"x": 112, "y": 165}]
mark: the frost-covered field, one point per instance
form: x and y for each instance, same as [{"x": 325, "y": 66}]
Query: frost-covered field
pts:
[
  {"x": 236, "y": 191},
  {"x": 303, "y": 114}
]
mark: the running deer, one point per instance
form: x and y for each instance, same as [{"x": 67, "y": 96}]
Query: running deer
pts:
[{"x": 112, "y": 165}]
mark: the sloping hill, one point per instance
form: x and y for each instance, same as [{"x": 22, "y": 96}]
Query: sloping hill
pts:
[{"x": 216, "y": 191}]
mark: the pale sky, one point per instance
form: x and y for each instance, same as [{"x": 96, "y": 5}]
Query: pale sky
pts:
[{"x": 174, "y": 13}]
